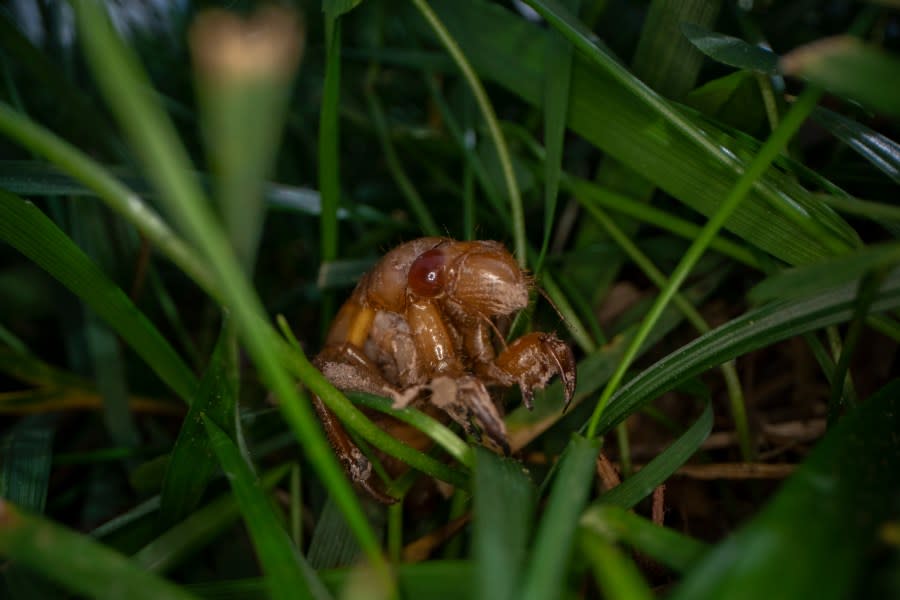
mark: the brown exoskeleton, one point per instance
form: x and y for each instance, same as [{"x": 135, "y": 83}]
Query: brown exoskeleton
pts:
[{"x": 422, "y": 321}]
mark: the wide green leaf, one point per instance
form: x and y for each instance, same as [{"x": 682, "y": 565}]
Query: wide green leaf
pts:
[
  {"x": 817, "y": 536},
  {"x": 637, "y": 129}
]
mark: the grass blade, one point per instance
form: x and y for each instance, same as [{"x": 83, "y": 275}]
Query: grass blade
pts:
[
  {"x": 641, "y": 484},
  {"x": 282, "y": 565},
  {"x": 75, "y": 561},
  {"x": 731, "y": 51},
  {"x": 197, "y": 530},
  {"x": 26, "y": 459},
  {"x": 755, "y": 329},
  {"x": 611, "y": 116},
  {"x": 490, "y": 117},
  {"x": 848, "y": 67},
  {"x": 28, "y": 230},
  {"x": 666, "y": 546},
  {"x": 192, "y": 461},
  {"x": 811, "y": 279},
  {"x": 615, "y": 573},
  {"x": 503, "y": 497},
  {"x": 882, "y": 152},
  {"x": 557, "y": 80},
  {"x": 555, "y": 536},
  {"x": 154, "y": 137}
]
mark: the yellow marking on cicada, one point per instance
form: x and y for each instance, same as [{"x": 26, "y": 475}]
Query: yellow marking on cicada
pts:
[{"x": 359, "y": 329}]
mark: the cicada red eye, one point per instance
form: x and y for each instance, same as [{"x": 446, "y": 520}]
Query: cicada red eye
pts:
[{"x": 427, "y": 274}]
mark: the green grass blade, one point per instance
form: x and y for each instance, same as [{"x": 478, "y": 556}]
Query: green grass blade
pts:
[
  {"x": 555, "y": 536},
  {"x": 557, "y": 79},
  {"x": 332, "y": 544},
  {"x": 75, "y": 561},
  {"x": 524, "y": 426},
  {"x": 664, "y": 59},
  {"x": 615, "y": 573},
  {"x": 154, "y": 137},
  {"x": 810, "y": 279},
  {"x": 589, "y": 194},
  {"x": 28, "y": 230},
  {"x": 461, "y": 59},
  {"x": 26, "y": 455},
  {"x": 503, "y": 506},
  {"x": 117, "y": 196},
  {"x": 882, "y": 152},
  {"x": 730, "y": 50},
  {"x": 329, "y": 140},
  {"x": 441, "y": 434},
  {"x": 243, "y": 106},
  {"x": 755, "y": 329},
  {"x": 823, "y": 522},
  {"x": 779, "y": 138},
  {"x": 848, "y": 67},
  {"x": 198, "y": 530},
  {"x": 641, "y": 484},
  {"x": 416, "y": 204},
  {"x": 611, "y": 115},
  {"x": 192, "y": 462},
  {"x": 282, "y": 565},
  {"x": 666, "y": 546}
]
